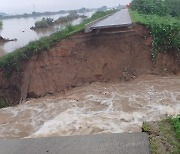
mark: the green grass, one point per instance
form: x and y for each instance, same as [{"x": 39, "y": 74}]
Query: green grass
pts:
[
  {"x": 176, "y": 125},
  {"x": 13, "y": 61},
  {"x": 146, "y": 127},
  {"x": 164, "y": 135},
  {"x": 153, "y": 146},
  {"x": 165, "y": 31}
]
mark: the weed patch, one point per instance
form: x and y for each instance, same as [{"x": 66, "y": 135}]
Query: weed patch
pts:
[{"x": 164, "y": 135}]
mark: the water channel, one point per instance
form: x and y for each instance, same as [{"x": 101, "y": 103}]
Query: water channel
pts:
[{"x": 94, "y": 109}]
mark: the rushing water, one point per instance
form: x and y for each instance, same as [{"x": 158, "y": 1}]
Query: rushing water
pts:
[
  {"x": 20, "y": 29},
  {"x": 94, "y": 109}
]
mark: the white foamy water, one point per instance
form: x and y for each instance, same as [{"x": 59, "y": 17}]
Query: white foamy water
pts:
[{"x": 94, "y": 109}]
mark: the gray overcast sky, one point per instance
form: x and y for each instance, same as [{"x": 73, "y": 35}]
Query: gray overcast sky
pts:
[{"x": 22, "y": 6}]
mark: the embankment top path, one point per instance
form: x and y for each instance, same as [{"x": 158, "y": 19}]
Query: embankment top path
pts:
[{"x": 119, "y": 19}]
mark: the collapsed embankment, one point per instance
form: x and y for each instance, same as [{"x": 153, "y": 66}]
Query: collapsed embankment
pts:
[{"x": 86, "y": 58}]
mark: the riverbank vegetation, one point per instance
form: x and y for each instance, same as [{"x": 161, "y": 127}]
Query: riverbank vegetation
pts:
[
  {"x": 162, "y": 19},
  {"x": 164, "y": 135},
  {"x": 13, "y": 61}
]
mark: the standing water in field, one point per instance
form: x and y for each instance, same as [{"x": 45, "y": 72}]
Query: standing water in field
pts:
[
  {"x": 94, "y": 109},
  {"x": 19, "y": 28}
]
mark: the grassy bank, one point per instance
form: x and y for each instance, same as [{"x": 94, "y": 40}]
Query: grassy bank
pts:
[
  {"x": 165, "y": 31},
  {"x": 164, "y": 136},
  {"x": 13, "y": 61},
  {"x": 163, "y": 22}
]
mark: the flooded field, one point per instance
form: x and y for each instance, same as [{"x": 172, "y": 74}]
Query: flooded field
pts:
[
  {"x": 20, "y": 29},
  {"x": 94, "y": 109}
]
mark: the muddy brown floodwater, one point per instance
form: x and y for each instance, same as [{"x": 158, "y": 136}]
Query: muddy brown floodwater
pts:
[{"x": 95, "y": 108}]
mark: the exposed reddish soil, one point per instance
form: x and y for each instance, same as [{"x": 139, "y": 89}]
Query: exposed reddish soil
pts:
[{"x": 85, "y": 58}]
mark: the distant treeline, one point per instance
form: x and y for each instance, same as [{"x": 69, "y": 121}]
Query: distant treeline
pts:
[
  {"x": 158, "y": 7},
  {"x": 37, "y": 14}
]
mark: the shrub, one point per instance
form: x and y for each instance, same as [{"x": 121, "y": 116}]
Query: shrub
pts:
[{"x": 44, "y": 23}]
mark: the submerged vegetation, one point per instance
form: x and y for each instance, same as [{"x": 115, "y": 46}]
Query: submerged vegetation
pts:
[
  {"x": 163, "y": 22},
  {"x": 13, "y": 61},
  {"x": 44, "y": 23},
  {"x": 48, "y": 22}
]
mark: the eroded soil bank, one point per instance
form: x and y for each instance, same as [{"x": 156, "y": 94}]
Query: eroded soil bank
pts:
[{"x": 86, "y": 58}]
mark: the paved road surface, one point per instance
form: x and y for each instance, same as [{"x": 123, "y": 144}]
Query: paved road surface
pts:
[
  {"x": 119, "y": 19},
  {"x": 136, "y": 143}
]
